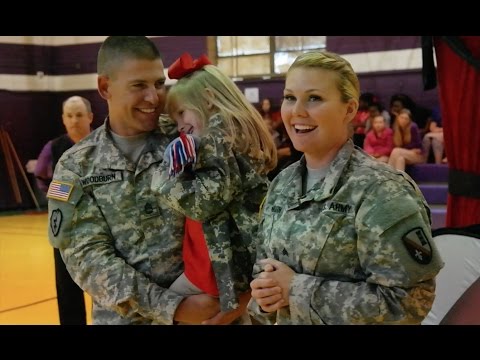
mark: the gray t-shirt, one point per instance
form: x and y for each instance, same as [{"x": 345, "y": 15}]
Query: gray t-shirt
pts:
[
  {"x": 315, "y": 175},
  {"x": 131, "y": 146}
]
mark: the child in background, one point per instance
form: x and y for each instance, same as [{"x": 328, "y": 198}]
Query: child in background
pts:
[
  {"x": 379, "y": 141},
  {"x": 220, "y": 187}
]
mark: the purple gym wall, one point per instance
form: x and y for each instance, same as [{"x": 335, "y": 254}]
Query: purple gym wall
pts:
[{"x": 34, "y": 117}]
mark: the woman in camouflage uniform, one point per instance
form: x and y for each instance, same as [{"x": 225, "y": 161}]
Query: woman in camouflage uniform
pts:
[{"x": 344, "y": 239}]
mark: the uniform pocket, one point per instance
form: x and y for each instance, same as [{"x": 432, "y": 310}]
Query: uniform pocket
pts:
[{"x": 309, "y": 244}]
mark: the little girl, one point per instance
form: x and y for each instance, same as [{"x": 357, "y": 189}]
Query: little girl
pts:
[
  {"x": 220, "y": 187},
  {"x": 379, "y": 140}
]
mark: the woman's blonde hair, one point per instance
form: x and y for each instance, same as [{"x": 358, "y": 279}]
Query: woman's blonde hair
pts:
[
  {"x": 347, "y": 84},
  {"x": 243, "y": 123},
  {"x": 402, "y": 136}
]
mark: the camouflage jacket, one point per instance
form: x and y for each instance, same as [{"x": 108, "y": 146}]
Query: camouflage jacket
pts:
[
  {"x": 359, "y": 241},
  {"x": 120, "y": 244},
  {"x": 224, "y": 191}
]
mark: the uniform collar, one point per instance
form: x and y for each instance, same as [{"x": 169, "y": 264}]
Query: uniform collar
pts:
[
  {"x": 110, "y": 157},
  {"x": 324, "y": 189}
]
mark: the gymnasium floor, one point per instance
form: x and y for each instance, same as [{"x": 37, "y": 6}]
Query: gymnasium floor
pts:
[{"x": 27, "y": 278}]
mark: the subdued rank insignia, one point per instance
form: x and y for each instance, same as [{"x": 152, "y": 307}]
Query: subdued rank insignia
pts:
[
  {"x": 418, "y": 246},
  {"x": 56, "y": 221},
  {"x": 149, "y": 208},
  {"x": 285, "y": 252}
]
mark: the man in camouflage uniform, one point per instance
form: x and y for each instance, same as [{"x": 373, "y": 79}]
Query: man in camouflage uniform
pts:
[
  {"x": 120, "y": 244},
  {"x": 344, "y": 239}
]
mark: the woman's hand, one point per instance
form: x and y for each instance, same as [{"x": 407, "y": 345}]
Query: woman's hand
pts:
[{"x": 272, "y": 286}]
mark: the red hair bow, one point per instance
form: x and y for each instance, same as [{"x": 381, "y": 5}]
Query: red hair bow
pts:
[{"x": 185, "y": 65}]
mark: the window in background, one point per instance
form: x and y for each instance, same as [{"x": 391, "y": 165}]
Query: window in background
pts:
[{"x": 254, "y": 56}]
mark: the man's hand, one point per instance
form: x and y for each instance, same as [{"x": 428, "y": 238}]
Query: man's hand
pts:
[
  {"x": 30, "y": 166},
  {"x": 195, "y": 309},
  {"x": 224, "y": 318}
]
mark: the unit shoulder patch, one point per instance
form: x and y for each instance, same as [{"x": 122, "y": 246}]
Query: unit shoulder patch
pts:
[
  {"x": 418, "y": 246},
  {"x": 56, "y": 221}
]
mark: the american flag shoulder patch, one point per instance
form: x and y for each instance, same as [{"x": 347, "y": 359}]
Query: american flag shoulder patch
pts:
[{"x": 59, "y": 190}]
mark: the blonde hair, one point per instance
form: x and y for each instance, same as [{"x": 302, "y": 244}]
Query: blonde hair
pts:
[
  {"x": 243, "y": 123},
  {"x": 347, "y": 83},
  {"x": 402, "y": 136}
]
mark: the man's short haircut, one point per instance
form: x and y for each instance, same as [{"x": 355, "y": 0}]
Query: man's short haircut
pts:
[
  {"x": 87, "y": 103},
  {"x": 116, "y": 49}
]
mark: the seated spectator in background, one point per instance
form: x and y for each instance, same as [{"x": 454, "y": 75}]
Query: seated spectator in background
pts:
[
  {"x": 269, "y": 112},
  {"x": 360, "y": 120},
  {"x": 77, "y": 117},
  {"x": 399, "y": 102},
  {"x": 407, "y": 141},
  {"x": 376, "y": 109},
  {"x": 434, "y": 138},
  {"x": 379, "y": 141},
  {"x": 420, "y": 114}
]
